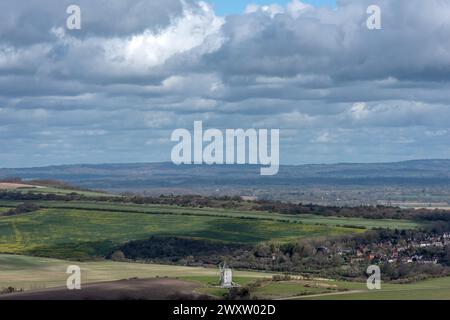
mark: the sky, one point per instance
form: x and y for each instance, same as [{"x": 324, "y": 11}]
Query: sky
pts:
[
  {"x": 114, "y": 91},
  {"x": 227, "y": 7}
]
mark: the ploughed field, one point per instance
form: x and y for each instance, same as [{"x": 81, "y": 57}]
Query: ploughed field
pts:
[
  {"x": 85, "y": 230},
  {"x": 130, "y": 289}
]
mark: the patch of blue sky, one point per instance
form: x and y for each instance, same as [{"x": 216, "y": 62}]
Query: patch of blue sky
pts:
[{"x": 227, "y": 7}]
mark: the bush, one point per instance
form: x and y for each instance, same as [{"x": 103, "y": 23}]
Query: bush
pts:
[
  {"x": 242, "y": 293},
  {"x": 118, "y": 256},
  {"x": 21, "y": 209},
  {"x": 284, "y": 277},
  {"x": 10, "y": 290}
]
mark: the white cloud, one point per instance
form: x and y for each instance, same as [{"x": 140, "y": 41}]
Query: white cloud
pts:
[
  {"x": 151, "y": 48},
  {"x": 296, "y": 8},
  {"x": 359, "y": 111},
  {"x": 324, "y": 137},
  {"x": 271, "y": 10}
]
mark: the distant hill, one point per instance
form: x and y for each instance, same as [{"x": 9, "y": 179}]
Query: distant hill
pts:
[{"x": 292, "y": 182}]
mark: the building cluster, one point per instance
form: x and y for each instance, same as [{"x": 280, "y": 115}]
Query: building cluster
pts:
[{"x": 408, "y": 250}]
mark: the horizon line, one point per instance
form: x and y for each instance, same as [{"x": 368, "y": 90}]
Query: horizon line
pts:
[{"x": 218, "y": 165}]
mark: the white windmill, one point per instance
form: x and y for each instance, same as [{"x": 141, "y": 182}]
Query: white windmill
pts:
[{"x": 226, "y": 277}]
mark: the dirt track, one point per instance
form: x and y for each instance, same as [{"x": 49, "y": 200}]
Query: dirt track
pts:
[{"x": 135, "y": 289}]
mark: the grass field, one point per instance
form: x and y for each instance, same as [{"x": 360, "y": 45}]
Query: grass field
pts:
[
  {"x": 434, "y": 289},
  {"x": 81, "y": 234},
  {"x": 3, "y": 209}
]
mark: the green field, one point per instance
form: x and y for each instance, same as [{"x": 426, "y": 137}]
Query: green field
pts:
[
  {"x": 433, "y": 289},
  {"x": 226, "y": 213},
  {"x": 81, "y": 234}
]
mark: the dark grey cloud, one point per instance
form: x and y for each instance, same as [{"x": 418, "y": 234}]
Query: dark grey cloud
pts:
[{"x": 28, "y": 22}]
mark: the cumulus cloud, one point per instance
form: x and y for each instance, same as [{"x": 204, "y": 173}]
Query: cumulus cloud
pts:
[{"x": 138, "y": 69}]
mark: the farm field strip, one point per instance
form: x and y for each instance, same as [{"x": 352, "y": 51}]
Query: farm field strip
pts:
[
  {"x": 226, "y": 213},
  {"x": 61, "y": 191}
]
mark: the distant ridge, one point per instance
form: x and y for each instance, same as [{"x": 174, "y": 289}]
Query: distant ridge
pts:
[
  {"x": 141, "y": 175},
  {"x": 169, "y": 164}
]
